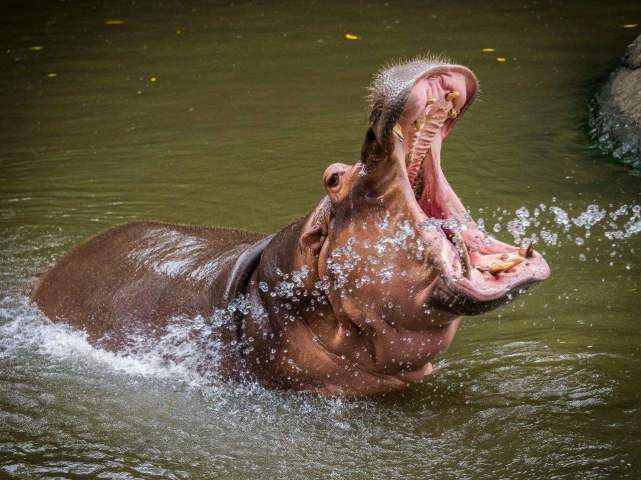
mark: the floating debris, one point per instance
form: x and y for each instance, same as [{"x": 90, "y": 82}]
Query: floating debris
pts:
[
  {"x": 52, "y": 75},
  {"x": 36, "y": 48},
  {"x": 152, "y": 79},
  {"x": 114, "y": 22},
  {"x": 487, "y": 50},
  {"x": 351, "y": 36},
  {"x": 501, "y": 59},
  {"x": 630, "y": 25}
]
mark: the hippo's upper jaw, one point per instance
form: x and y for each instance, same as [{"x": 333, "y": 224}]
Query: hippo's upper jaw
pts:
[{"x": 415, "y": 106}]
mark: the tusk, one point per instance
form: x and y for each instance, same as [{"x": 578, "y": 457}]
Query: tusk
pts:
[
  {"x": 530, "y": 250},
  {"x": 523, "y": 247},
  {"x": 398, "y": 131},
  {"x": 499, "y": 267},
  {"x": 526, "y": 249},
  {"x": 499, "y": 263},
  {"x": 452, "y": 95},
  {"x": 417, "y": 125},
  {"x": 465, "y": 255}
]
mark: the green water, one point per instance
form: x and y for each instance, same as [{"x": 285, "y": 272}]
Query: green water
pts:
[{"x": 251, "y": 101}]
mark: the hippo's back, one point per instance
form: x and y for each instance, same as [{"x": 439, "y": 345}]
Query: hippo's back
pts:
[{"x": 139, "y": 276}]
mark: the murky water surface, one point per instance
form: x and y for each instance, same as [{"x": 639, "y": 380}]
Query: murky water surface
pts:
[{"x": 197, "y": 113}]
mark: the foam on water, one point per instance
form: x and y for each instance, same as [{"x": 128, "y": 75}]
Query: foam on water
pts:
[
  {"x": 23, "y": 329},
  {"x": 178, "y": 358}
]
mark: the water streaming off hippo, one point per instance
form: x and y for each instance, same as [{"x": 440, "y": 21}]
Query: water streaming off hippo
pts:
[{"x": 194, "y": 113}]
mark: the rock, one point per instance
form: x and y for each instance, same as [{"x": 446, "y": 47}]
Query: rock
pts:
[
  {"x": 615, "y": 122},
  {"x": 632, "y": 57}
]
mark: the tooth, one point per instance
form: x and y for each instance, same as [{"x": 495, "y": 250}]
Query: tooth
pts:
[
  {"x": 418, "y": 184},
  {"x": 430, "y": 101},
  {"x": 465, "y": 255},
  {"x": 530, "y": 250},
  {"x": 523, "y": 248},
  {"x": 398, "y": 131},
  {"x": 501, "y": 266},
  {"x": 452, "y": 95},
  {"x": 417, "y": 125},
  {"x": 453, "y": 113}
]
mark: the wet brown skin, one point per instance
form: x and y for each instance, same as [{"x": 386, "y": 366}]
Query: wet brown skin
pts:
[
  {"x": 356, "y": 298},
  {"x": 122, "y": 282}
]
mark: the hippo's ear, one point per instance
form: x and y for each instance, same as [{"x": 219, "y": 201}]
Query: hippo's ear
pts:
[{"x": 316, "y": 226}]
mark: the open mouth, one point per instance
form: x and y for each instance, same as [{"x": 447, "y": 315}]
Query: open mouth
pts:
[{"x": 491, "y": 268}]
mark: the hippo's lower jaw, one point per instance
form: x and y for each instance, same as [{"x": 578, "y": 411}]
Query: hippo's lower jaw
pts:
[{"x": 478, "y": 271}]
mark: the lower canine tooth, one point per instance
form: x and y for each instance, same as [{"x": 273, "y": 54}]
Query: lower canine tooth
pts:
[
  {"x": 500, "y": 263},
  {"x": 523, "y": 248},
  {"x": 453, "y": 113},
  {"x": 526, "y": 249},
  {"x": 398, "y": 131},
  {"x": 530, "y": 250},
  {"x": 465, "y": 256}
]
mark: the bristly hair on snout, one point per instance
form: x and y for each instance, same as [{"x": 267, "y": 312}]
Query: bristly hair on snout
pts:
[
  {"x": 386, "y": 84},
  {"x": 391, "y": 86}
]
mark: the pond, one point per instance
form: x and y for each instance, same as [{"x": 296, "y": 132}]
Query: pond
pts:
[{"x": 227, "y": 114}]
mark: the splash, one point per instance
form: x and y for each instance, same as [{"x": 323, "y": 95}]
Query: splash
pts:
[
  {"x": 177, "y": 355},
  {"x": 588, "y": 227},
  {"x": 191, "y": 348}
]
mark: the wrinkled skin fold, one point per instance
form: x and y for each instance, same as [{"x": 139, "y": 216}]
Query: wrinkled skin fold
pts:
[{"x": 356, "y": 298}]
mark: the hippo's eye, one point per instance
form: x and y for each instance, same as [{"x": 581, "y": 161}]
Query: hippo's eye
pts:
[{"x": 333, "y": 180}]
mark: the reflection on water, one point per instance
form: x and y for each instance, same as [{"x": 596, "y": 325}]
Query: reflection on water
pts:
[{"x": 228, "y": 114}]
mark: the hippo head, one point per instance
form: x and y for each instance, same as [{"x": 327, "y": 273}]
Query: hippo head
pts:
[{"x": 391, "y": 238}]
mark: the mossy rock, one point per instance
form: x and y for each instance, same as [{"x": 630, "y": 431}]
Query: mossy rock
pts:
[{"x": 615, "y": 121}]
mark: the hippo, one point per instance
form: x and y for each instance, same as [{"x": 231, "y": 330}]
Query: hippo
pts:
[{"x": 356, "y": 298}]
